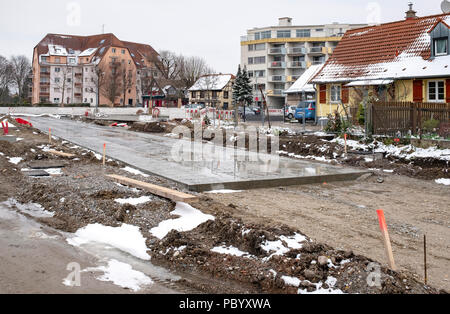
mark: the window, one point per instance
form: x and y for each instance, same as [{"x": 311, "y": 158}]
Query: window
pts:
[
  {"x": 261, "y": 73},
  {"x": 215, "y": 94},
  {"x": 335, "y": 93},
  {"x": 440, "y": 46},
  {"x": 250, "y": 73},
  {"x": 284, "y": 34},
  {"x": 56, "y": 90},
  {"x": 57, "y": 60},
  {"x": 57, "y": 79},
  {"x": 266, "y": 34},
  {"x": 72, "y": 60},
  {"x": 56, "y": 100},
  {"x": 114, "y": 50},
  {"x": 436, "y": 91},
  {"x": 257, "y": 47},
  {"x": 319, "y": 29},
  {"x": 225, "y": 95},
  {"x": 202, "y": 94},
  {"x": 69, "y": 80},
  {"x": 257, "y": 60},
  {"x": 57, "y": 70},
  {"x": 303, "y": 33},
  {"x": 123, "y": 51},
  {"x": 92, "y": 100},
  {"x": 194, "y": 94}
]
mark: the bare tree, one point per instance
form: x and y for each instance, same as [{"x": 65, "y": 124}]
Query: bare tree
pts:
[
  {"x": 5, "y": 78},
  {"x": 111, "y": 88},
  {"x": 99, "y": 81},
  {"x": 126, "y": 80},
  {"x": 192, "y": 68},
  {"x": 21, "y": 68},
  {"x": 61, "y": 81}
]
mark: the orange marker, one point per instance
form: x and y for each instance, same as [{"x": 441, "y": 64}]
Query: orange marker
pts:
[
  {"x": 104, "y": 154},
  {"x": 386, "y": 238}
]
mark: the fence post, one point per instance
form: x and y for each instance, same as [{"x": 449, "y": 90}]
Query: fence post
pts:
[{"x": 414, "y": 117}]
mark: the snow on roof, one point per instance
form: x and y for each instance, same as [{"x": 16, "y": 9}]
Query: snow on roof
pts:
[
  {"x": 211, "y": 82},
  {"x": 301, "y": 85},
  {"x": 389, "y": 51},
  {"x": 370, "y": 82},
  {"x": 56, "y": 50},
  {"x": 88, "y": 52}
]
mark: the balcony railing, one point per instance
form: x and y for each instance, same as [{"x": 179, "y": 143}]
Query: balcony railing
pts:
[
  {"x": 78, "y": 74},
  {"x": 275, "y": 92},
  {"x": 277, "y": 78},
  {"x": 43, "y": 73},
  {"x": 316, "y": 50},
  {"x": 44, "y": 94},
  {"x": 78, "y": 85},
  {"x": 297, "y": 64},
  {"x": 297, "y": 51},
  {"x": 78, "y": 94},
  {"x": 316, "y": 62},
  {"x": 277, "y": 65},
  {"x": 277, "y": 51}
]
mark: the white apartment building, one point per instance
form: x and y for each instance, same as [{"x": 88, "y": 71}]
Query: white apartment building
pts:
[{"x": 276, "y": 56}]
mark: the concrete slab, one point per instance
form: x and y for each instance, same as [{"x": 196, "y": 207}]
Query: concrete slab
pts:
[{"x": 152, "y": 154}]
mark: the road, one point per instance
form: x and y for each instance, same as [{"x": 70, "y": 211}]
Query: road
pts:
[{"x": 34, "y": 260}]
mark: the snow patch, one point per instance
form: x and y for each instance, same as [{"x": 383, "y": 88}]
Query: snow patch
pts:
[
  {"x": 134, "y": 201},
  {"x": 126, "y": 238},
  {"x": 135, "y": 171},
  {"x": 190, "y": 218},
  {"x": 443, "y": 181},
  {"x": 230, "y": 250}
]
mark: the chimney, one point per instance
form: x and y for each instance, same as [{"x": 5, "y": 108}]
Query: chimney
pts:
[
  {"x": 410, "y": 14},
  {"x": 285, "y": 21}
]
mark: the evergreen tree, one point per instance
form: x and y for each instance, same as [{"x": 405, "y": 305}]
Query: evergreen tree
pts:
[
  {"x": 236, "y": 93},
  {"x": 242, "y": 89}
]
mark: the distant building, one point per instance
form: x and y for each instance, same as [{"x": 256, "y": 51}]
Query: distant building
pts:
[
  {"x": 302, "y": 89},
  {"x": 66, "y": 67},
  {"x": 213, "y": 90},
  {"x": 276, "y": 56}
]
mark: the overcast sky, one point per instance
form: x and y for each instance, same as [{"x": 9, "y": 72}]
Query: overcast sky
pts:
[{"x": 207, "y": 28}]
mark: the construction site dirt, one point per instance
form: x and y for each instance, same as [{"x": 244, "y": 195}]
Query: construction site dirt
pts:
[{"x": 338, "y": 221}]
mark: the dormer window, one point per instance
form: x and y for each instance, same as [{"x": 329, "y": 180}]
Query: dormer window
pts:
[{"x": 441, "y": 46}]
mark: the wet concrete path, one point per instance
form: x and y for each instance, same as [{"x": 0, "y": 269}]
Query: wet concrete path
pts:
[{"x": 162, "y": 156}]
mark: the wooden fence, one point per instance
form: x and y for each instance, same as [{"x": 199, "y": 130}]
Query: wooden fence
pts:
[{"x": 389, "y": 118}]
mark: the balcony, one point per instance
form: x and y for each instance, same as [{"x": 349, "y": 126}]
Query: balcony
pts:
[
  {"x": 316, "y": 50},
  {"x": 277, "y": 78},
  {"x": 44, "y": 94},
  {"x": 44, "y": 83},
  {"x": 317, "y": 62},
  {"x": 44, "y": 73},
  {"x": 293, "y": 78},
  {"x": 77, "y": 94},
  {"x": 78, "y": 74},
  {"x": 79, "y": 85},
  {"x": 275, "y": 93},
  {"x": 296, "y": 51},
  {"x": 277, "y": 51},
  {"x": 297, "y": 65},
  {"x": 276, "y": 65}
]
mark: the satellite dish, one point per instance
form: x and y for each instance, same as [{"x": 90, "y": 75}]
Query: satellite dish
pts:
[{"x": 445, "y": 6}]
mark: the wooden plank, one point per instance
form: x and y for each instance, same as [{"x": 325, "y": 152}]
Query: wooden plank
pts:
[
  {"x": 54, "y": 152},
  {"x": 156, "y": 189}
]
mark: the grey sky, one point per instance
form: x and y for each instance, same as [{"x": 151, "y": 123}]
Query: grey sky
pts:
[{"x": 207, "y": 28}]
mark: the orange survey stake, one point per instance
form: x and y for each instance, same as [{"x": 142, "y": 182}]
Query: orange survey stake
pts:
[{"x": 382, "y": 220}]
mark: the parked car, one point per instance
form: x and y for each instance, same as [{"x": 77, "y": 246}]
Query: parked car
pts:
[
  {"x": 290, "y": 112},
  {"x": 248, "y": 112},
  {"x": 305, "y": 108},
  {"x": 256, "y": 109}
]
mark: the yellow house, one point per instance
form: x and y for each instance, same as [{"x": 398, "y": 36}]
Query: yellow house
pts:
[{"x": 406, "y": 60}]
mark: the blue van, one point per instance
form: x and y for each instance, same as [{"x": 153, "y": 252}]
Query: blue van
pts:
[{"x": 307, "y": 107}]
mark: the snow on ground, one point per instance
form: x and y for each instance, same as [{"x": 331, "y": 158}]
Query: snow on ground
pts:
[
  {"x": 128, "y": 188},
  {"x": 126, "y": 238},
  {"x": 190, "y": 218},
  {"x": 135, "y": 171},
  {"x": 134, "y": 201},
  {"x": 15, "y": 160},
  {"x": 278, "y": 247},
  {"x": 54, "y": 171},
  {"x": 122, "y": 275},
  {"x": 407, "y": 152},
  {"x": 33, "y": 209},
  {"x": 443, "y": 181},
  {"x": 230, "y": 250},
  {"x": 317, "y": 158},
  {"x": 291, "y": 281},
  {"x": 224, "y": 191},
  {"x": 331, "y": 282}
]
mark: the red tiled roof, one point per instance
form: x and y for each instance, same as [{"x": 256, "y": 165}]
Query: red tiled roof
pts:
[
  {"x": 365, "y": 53},
  {"x": 81, "y": 43}
]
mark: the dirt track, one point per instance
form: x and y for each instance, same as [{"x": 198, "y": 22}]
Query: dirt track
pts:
[{"x": 343, "y": 215}]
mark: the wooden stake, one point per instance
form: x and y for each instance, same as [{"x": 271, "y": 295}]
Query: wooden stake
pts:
[
  {"x": 386, "y": 239},
  {"x": 104, "y": 154},
  {"x": 49, "y": 135},
  {"x": 425, "y": 258},
  {"x": 345, "y": 137}
]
